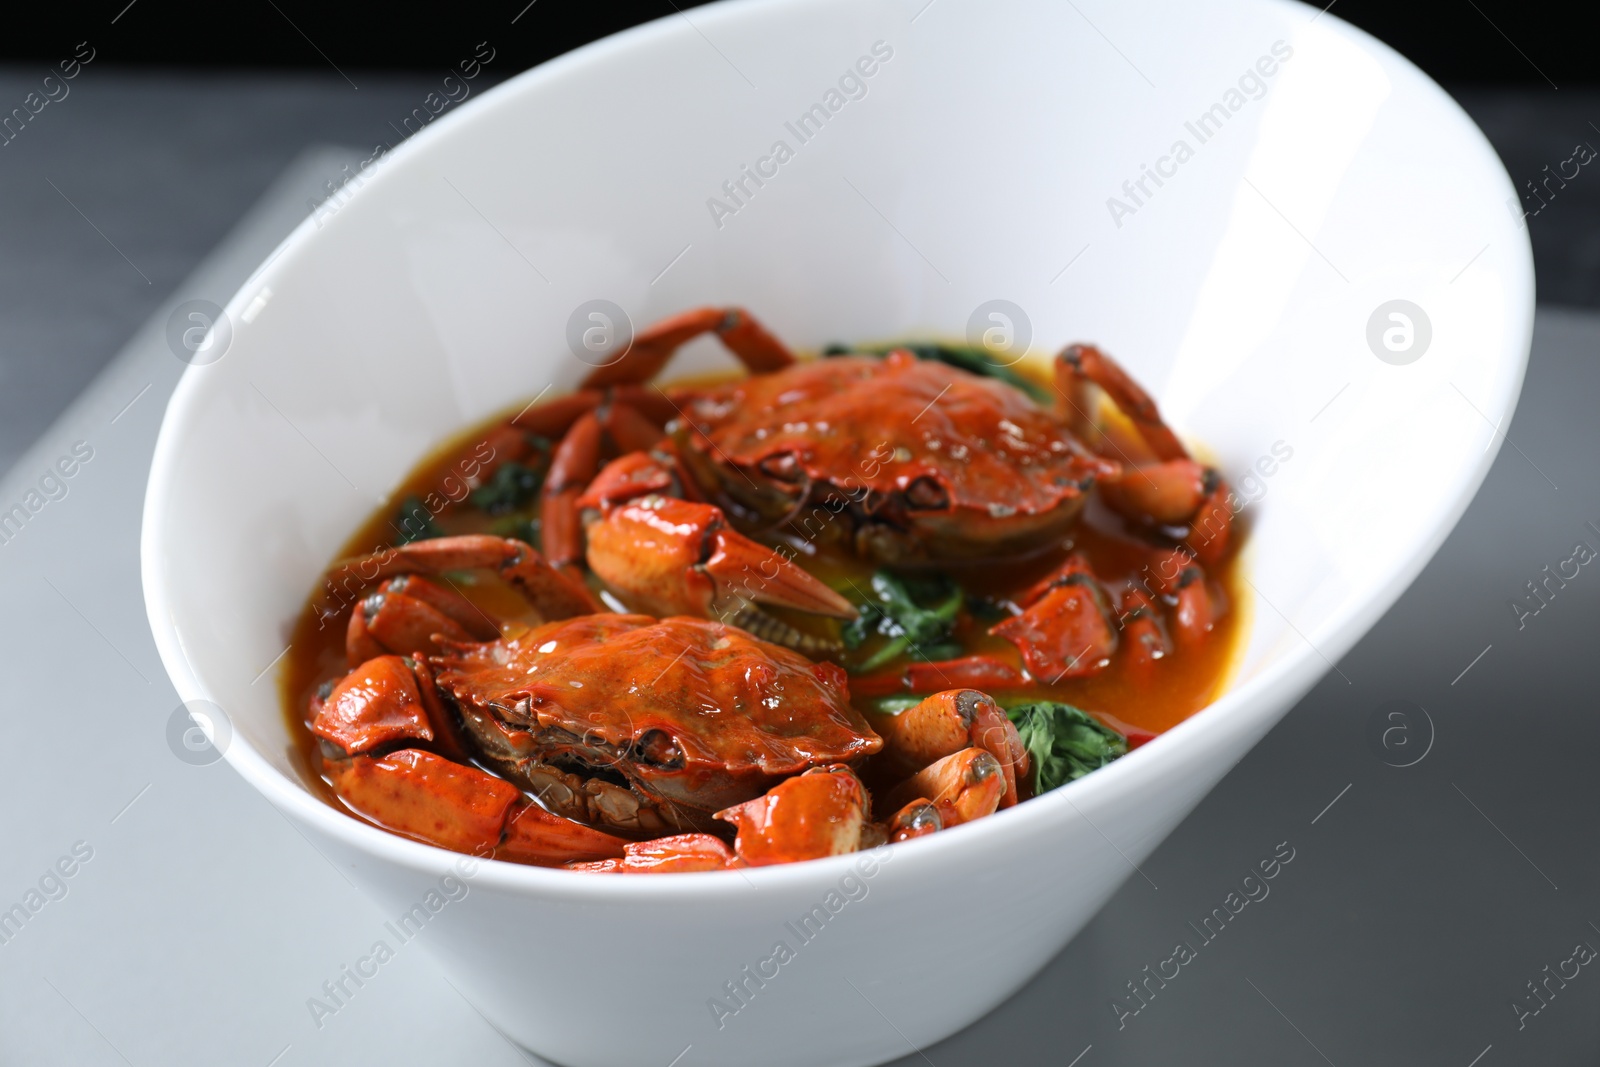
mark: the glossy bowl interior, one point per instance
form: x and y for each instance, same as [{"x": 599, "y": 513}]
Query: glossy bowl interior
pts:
[{"x": 936, "y": 156}]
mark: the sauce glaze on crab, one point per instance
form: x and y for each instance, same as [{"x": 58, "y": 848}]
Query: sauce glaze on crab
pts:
[
  {"x": 722, "y": 720},
  {"x": 934, "y": 463}
]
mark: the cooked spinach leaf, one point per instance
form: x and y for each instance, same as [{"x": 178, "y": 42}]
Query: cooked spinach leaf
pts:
[
  {"x": 415, "y": 522},
  {"x": 1063, "y": 742},
  {"x": 907, "y": 611},
  {"x": 510, "y": 487},
  {"x": 986, "y": 609},
  {"x": 893, "y": 705}
]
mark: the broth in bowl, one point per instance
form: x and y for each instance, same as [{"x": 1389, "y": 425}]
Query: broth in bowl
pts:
[{"x": 734, "y": 621}]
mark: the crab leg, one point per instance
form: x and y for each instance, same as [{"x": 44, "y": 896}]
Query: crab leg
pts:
[
  {"x": 533, "y": 835},
  {"x": 1146, "y": 645},
  {"x": 927, "y": 676},
  {"x": 964, "y": 786},
  {"x": 555, "y": 594},
  {"x": 376, "y": 704},
  {"x": 1175, "y": 490},
  {"x": 943, "y": 725},
  {"x": 743, "y": 335},
  {"x": 1168, "y": 493},
  {"x": 1087, "y": 363},
  {"x": 1181, "y": 578},
  {"x": 1066, "y": 629},
  {"x": 628, "y": 428},
  {"x": 575, "y": 464},
  {"x": 648, "y": 401},
  {"x": 386, "y": 699},
  {"x": 575, "y": 461},
  {"x": 554, "y": 418},
  {"x": 1211, "y": 525},
  {"x": 434, "y": 800},
  {"x": 675, "y": 557},
  {"x": 818, "y": 813}
]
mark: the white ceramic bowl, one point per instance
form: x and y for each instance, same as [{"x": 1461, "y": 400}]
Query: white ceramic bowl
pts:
[{"x": 977, "y": 165}]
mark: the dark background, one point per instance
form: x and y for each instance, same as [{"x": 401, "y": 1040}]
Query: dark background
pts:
[{"x": 1498, "y": 41}]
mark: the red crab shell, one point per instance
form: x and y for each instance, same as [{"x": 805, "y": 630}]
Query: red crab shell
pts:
[
  {"x": 694, "y": 712},
  {"x": 933, "y": 461}
]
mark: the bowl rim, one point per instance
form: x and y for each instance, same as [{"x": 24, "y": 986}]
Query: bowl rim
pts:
[{"x": 1294, "y": 673}]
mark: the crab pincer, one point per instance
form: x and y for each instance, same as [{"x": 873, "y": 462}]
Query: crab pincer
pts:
[
  {"x": 385, "y": 700},
  {"x": 964, "y": 786},
  {"x": 676, "y": 557},
  {"x": 815, "y": 814},
  {"x": 944, "y": 724},
  {"x": 919, "y": 818}
]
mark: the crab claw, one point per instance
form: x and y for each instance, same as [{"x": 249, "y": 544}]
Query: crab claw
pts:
[
  {"x": 434, "y": 800},
  {"x": 629, "y": 477},
  {"x": 675, "y": 557},
  {"x": 965, "y": 786},
  {"x": 917, "y": 819},
  {"x": 555, "y": 594},
  {"x": 818, "y": 813},
  {"x": 943, "y": 725},
  {"x": 374, "y": 704}
]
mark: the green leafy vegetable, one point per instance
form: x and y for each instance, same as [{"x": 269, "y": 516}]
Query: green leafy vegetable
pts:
[
  {"x": 1064, "y": 743},
  {"x": 893, "y": 705},
  {"x": 415, "y": 522},
  {"x": 510, "y": 487},
  {"x": 974, "y": 360},
  {"x": 986, "y": 610},
  {"x": 908, "y": 612}
]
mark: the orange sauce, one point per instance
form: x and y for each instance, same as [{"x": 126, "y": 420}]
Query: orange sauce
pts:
[{"x": 1186, "y": 681}]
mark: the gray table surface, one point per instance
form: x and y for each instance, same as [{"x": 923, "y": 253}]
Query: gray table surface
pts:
[{"x": 1421, "y": 901}]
